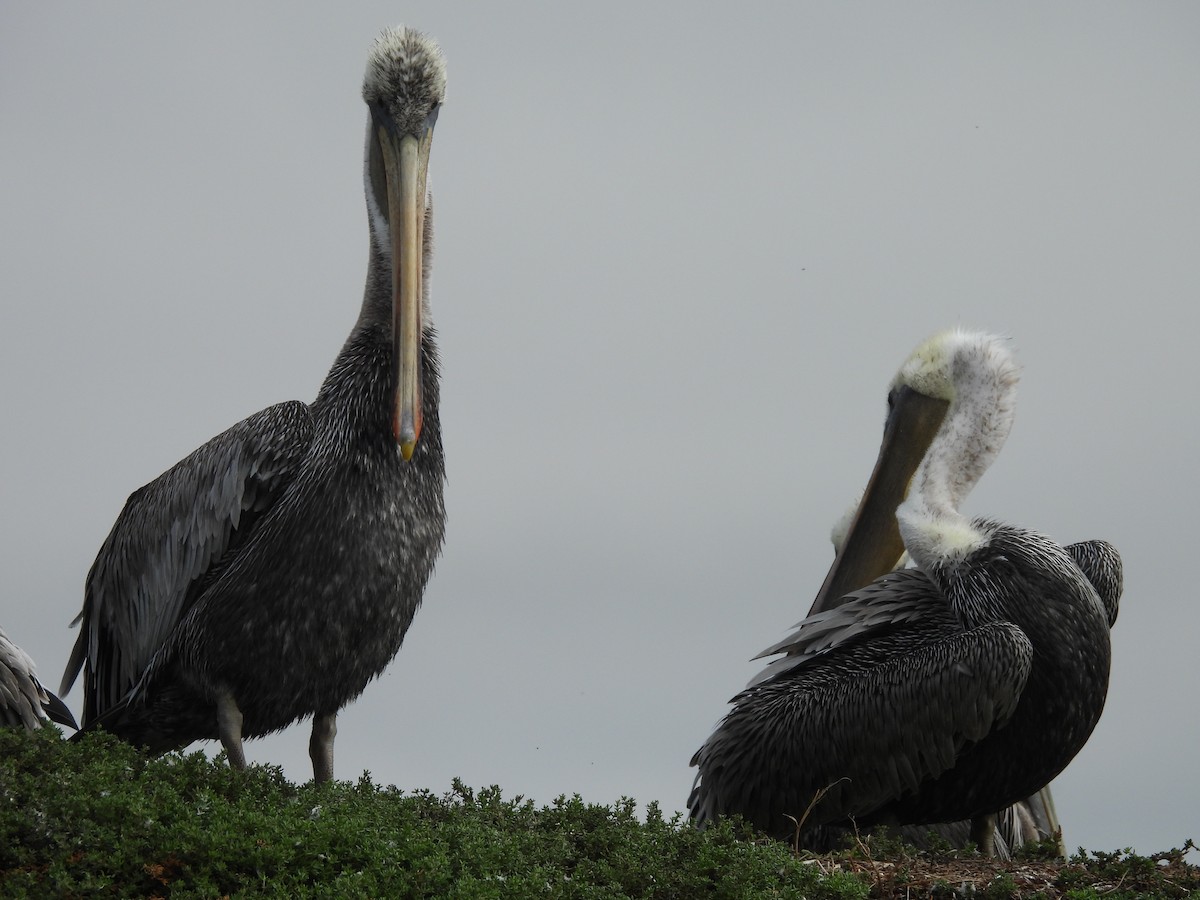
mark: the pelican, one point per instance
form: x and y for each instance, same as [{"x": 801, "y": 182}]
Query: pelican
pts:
[
  {"x": 1029, "y": 820},
  {"x": 271, "y": 574},
  {"x": 23, "y": 700},
  {"x": 1034, "y": 818},
  {"x": 935, "y": 694}
]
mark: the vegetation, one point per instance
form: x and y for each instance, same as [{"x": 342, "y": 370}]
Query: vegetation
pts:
[{"x": 97, "y": 818}]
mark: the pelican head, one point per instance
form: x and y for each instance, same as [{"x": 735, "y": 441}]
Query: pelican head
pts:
[
  {"x": 404, "y": 86},
  {"x": 950, "y": 409}
]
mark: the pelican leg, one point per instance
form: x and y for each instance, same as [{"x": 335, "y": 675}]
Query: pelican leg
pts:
[
  {"x": 229, "y": 728},
  {"x": 1048, "y": 825},
  {"x": 320, "y": 745},
  {"x": 983, "y": 833}
]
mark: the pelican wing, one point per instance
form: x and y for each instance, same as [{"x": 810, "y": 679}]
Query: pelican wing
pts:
[
  {"x": 172, "y": 538},
  {"x": 21, "y": 697},
  {"x": 864, "y": 721},
  {"x": 23, "y": 700},
  {"x": 1101, "y": 565},
  {"x": 898, "y": 597}
]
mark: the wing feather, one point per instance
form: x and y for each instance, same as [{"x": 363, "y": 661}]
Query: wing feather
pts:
[
  {"x": 900, "y": 597},
  {"x": 171, "y": 538},
  {"x": 869, "y": 722},
  {"x": 1101, "y": 565},
  {"x": 20, "y": 694},
  {"x": 23, "y": 700}
]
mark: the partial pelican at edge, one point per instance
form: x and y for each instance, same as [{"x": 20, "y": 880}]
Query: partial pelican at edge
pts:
[{"x": 23, "y": 700}]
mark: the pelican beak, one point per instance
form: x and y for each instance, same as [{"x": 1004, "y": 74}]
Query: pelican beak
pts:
[
  {"x": 873, "y": 545},
  {"x": 405, "y": 167}
]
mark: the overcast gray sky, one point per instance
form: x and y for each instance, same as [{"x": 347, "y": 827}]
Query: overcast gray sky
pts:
[{"x": 681, "y": 251}]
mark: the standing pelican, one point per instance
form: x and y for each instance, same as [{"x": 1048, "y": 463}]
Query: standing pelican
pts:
[
  {"x": 23, "y": 700},
  {"x": 272, "y": 573},
  {"x": 931, "y": 695}
]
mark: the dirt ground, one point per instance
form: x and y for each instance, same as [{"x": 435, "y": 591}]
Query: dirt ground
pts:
[{"x": 1115, "y": 875}]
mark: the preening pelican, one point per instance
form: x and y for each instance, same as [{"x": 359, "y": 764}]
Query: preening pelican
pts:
[
  {"x": 1028, "y": 820},
  {"x": 1034, "y": 818},
  {"x": 273, "y": 573},
  {"x": 23, "y": 700},
  {"x": 934, "y": 694}
]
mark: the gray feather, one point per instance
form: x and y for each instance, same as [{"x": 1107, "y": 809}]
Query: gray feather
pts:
[
  {"x": 170, "y": 540},
  {"x": 23, "y": 700}
]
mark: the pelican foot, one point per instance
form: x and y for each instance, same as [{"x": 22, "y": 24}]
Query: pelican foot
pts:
[{"x": 983, "y": 833}]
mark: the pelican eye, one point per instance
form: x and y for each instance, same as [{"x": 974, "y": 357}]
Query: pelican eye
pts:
[{"x": 431, "y": 119}]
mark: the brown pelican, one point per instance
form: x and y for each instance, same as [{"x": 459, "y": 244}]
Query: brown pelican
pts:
[
  {"x": 1034, "y": 818},
  {"x": 272, "y": 573},
  {"x": 23, "y": 700},
  {"x": 1029, "y": 820},
  {"x": 934, "y": 694}
]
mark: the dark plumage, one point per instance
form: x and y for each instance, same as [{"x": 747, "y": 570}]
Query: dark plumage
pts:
[
  {"x": 942, "y": 693},
  {"x": 1034, "y": 818},
  {"x": 273, "y": 573},
  {"x": 23, "y": 700}
]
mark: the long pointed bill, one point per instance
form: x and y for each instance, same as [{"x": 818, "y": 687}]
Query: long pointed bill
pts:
[
  {"x": 873, "y": 545},
  {"x": 406, "y": 162}
]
